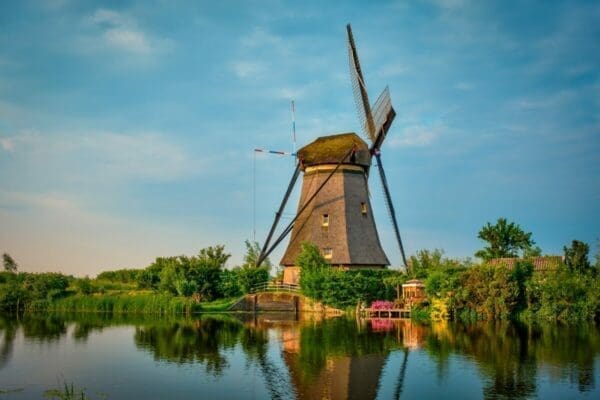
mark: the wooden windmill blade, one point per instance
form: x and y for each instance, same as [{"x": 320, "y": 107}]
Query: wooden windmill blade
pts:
[
  {"x": 390, "y": 206},
  {"x": 359, "y": 89},
  {"x": 375, "y": 123},
  {"x": 383, "y": 116}
]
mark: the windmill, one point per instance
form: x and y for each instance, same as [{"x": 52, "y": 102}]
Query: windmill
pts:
[{"x": 334, "y": 211}]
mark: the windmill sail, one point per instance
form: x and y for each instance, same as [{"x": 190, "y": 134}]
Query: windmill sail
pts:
[
  {"x": 383, "y": 115},
  {"x": 375, "y": 123},
  {"x": 359, "y": 89}
]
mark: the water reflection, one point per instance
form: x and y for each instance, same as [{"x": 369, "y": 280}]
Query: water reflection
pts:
[
  {"x": 509, "y": 355},
  {"x": 340, "y": 358}
]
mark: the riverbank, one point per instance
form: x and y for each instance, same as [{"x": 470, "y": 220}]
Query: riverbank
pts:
[{"x": 132, "y": 302}]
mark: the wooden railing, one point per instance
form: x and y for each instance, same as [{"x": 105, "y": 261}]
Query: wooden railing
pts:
[{"x": 275, "y": 287}]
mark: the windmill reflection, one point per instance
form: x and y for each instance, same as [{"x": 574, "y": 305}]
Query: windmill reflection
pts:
[{"x": 333, "y": 360}]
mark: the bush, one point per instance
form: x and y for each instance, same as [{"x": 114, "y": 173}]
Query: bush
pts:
[
  {"x": 339, "y": 288},
  {"x": 84, "y": 286}
]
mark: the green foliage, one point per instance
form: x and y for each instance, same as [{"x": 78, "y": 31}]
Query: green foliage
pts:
[
  {"x": 576, "y": 256},
  {"x": 424, "y": 261},
  {"x": 564, "y": 295},
  {"x": 229, "y": 285},
  {"x": 49, "y": 286},
  {"x": 504, "y": 240},
  {"x": 491, "y": 292},
  {"x": 19, "y": 290},
  {"x": 84, "y": 286},
  {"x": 252, "y": 253},
  {"x": 441, "y": 274},
  {"x": 250, "y": 276},
  {"x": 163, "y": 304},
  {"x": 534, "y": 251},
  {"x": 120, "y": 275},
  {"x": 339, "y": 288},
  {"x": 9, "y": 263},
  {"x": 185, "y": 288},
  {"x": 68, "y": 392},
  {"x": 313, "y": 269}
]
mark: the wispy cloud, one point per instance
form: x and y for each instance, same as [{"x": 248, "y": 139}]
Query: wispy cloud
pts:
[
  {"x": 247, "y": 69},
  {"x": 105, "y": 155},
  {"x": 464, "y": 86},
  {"x": 121, "y": 32},
  {"x": 7, "y": 144},
  {"x": 416, "y": 136}
]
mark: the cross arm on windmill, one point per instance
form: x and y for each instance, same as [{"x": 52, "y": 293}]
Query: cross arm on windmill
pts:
[{"x": 334, "y": 210}]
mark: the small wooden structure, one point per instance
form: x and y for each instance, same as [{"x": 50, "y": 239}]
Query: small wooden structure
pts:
[{"x": 413, "y": 291}]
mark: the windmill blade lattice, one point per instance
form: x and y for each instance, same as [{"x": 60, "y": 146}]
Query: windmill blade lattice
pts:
[{"x": 359, "y": 89}]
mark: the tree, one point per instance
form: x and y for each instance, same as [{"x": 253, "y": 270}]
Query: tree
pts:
[
  {"x": 534, "y": 251},
  {"x": 9, "y": 263},
  {"x": 313, "y": 270},
  {"x": 252, "y": 253},
  {"x": 576, "y": 256},
  {"x": 505, "y": 240},
  {"x": 214, "y": 255}
]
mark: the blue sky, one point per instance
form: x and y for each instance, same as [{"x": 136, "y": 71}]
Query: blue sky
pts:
[{"x": 127, "y": 128}]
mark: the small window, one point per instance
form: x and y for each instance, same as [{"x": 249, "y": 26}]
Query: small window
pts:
[
  {"x": 325, "y": 220},
  {"x": 363, "y": 208},
  {"x": 327, "y": 253}
]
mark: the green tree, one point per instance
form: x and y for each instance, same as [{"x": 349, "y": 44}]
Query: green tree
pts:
[
  {"x": 9, "y": 263},
  {"x": 313, "y": 269},
  {"x": 504, "y": 240},
  {"x": 252, "y": 253},
  {"x": 185, "y": 288},
  {"x": 84, "y": 286},
  {"x": 576, "y": 256},
  {"x": 534, "y": 251},
  {"x": 214, "y": 255}
]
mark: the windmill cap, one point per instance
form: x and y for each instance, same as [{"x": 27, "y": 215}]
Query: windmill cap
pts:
[{"x": 332, "y": 149}]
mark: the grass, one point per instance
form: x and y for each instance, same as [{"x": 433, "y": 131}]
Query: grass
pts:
[
  {"x": 68, "y": 392},
  {"x": 132, "y": 302},
  {"x": 142, "y": 303},
  {"x": 9, "y": 391},
  {"x": 217, "y": 305}
]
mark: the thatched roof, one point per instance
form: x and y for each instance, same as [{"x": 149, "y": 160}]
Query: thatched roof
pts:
[{"x": 331, "y": 149}]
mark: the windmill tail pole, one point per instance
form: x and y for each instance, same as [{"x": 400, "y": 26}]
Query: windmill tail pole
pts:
[
  {"x": 288, "y": 228},
  {"x": 262, "y": 255},
  {"x": 390, "y": 206}
]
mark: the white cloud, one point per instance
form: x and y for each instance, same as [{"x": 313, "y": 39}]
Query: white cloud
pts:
[
  {"x": 106, "y": 155},
  {"x": 7, "y": 144},
  {"x": 416, "y": 136},
  {"x": 393, "y": 69},
  {"x": 260, "y": 37},
  {"x": 47, "y": 201},
  {"x": 128, "y": 40},
  {"x": 247, "y": 69},
  {"x": 119, "y": 31}
]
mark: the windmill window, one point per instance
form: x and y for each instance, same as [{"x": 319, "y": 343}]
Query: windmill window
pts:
[
  {"x": 363, "y": 208},
  {"x": 327, "y": 253},
  {"x": 325, "y": 220}
]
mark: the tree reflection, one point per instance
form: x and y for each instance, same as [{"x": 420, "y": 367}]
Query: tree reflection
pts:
[
  {"x": 510, "y": 354},
  {"x": 340, "y": 358},
  {"x": 8, "y": 331},
  {"x": 201, "y": 341}
]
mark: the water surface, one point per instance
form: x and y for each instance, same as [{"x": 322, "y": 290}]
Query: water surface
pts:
[{"x": 282, "y": 356}]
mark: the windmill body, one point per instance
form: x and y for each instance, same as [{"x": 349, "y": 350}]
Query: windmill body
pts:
[
  {"x": 338, "y": 220},
  {"x": 334, "y": 211}
]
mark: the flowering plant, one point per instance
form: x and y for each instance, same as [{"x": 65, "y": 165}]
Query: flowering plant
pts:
[{"x": 382, "y": 305}]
